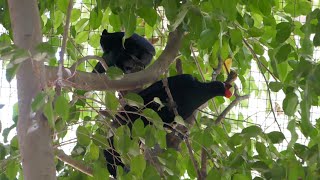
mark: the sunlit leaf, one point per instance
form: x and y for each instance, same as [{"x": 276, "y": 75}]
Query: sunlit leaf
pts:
[
  {"x": 83, "y": 136},
  {"x": 62, "y": 107}
]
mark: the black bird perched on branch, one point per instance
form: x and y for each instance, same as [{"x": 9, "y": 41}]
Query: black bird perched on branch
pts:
[
  {"x": 187, "y": 93},
  {"x": 132, "y": 56}
]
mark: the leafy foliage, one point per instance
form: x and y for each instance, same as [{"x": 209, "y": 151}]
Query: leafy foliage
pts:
[{"x": 266, "y": 32}]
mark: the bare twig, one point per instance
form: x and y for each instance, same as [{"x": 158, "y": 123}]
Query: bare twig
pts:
[
  {"x": 194, "y": 162},
  {"x": 258, "y": 60},
  {"x": 172, "y": 104},
  {"x": 231, "y": 105},
  {"x": 64, "y": 41},
  {"x": 260, "y": 65}
]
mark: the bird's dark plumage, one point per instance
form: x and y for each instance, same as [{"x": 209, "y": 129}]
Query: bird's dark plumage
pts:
[
  {"x": 133, "y": 56},
  {"x": 187, "y": 92}
]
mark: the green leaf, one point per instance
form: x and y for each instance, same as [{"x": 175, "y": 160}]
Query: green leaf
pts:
[
  {"x": 258, "y": 49},
  {"x": 300, "y": 150},
  {"x": 276, "y": 137},
  {"x": 294, "y": 135},
  {"x": 284, "y": 30},
  {"x": 62, "y": 107},
  {"x": 236, "y": 161},
  {"x": 207, "y": 38},
  {"x": 296, "y": 171},
  {"x": 152, "y": 116},
  {"x": 298, "y": 8},
  {"x": 82, "y": 37},
  {"x": 235, "y": 140},
  {"x": 283, "y": 53},
  {"x": 158, "y": 101},
  {"x": 261, "y": 149},
  {"x": 92, "y": 152},
  {"x": 63, "y": 5},
  {"x": 260, "y": 166},
  {"x": 171, "y": 9},
  {"x": 255, "y": 32},
  {"x": 249, "y": 20},
  {"x": 14, "y": 144},
  {"x": 114, "y": 73},
  {"x": 12, "y": 169},
  {"x": 61, "y": 128},
  {"x": 149, "y": 15},
  {"x": 11, "y": 72},
  {"x": 6, "y": 132},
  {"x": 81, "y": 25},
  {"x": 95, "y": 18},
  {"x": 138, "y": 164},
  {"x": 160, "y": 135},
  {"x": 282, "y": 70},
  {"x": 100, "y": 171},
  {"x": 38, "y": 101},
  {"x": 83, "y": 136},
  {"x": 100, "y": 141},
  {"x": 251, "y": 131},
  {"x": 115, "y": 22},
  {"x": 265, "y": 7},
  {"x": 196, "y": 23},
  {"x": 151, "y": 173},
  {"x": 306, "y": 125},
  {"x": 48, "y": 112},
  {"x": 58, "y": 19},
  {"x": 111, "y": 101},
  {"x": 128, "y": 19},
  {"x": 122, "y": 139},
  {"x": 290, "y": 104},
  {"x": 182, "y": 14},
  {"x": 241, "y": 177},
  {"x": 214, "y": 174},
  {"x": 275, "y": 86},
  {"x": 236, "y": 37},
  {"x": 138, "y": 128},
  {"x": 94, "y": 41},
  {"x": 134, "y": 99},
  {"x": 316, "y": 39},
  {"x": 150, "y": 139},
  {"x": 75, "y": 15}
]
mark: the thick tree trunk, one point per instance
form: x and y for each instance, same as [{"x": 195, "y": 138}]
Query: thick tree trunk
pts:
[{"x": 33, "y": 130}]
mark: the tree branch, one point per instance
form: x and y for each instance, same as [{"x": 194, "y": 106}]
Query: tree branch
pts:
[
  {"x": 203, "y": 163},
  {"x": 79, "y": 165},
  {"x": 93, "y": 81},
  {"x": 231, "y": 105}
]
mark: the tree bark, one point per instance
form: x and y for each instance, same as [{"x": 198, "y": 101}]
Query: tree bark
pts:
[{"x": 33, "y": 131}]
